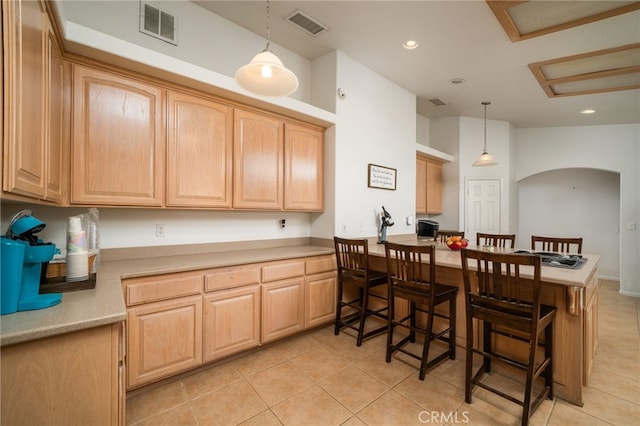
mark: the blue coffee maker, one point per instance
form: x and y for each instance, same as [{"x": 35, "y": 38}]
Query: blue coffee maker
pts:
[{"x": 23, "y": 255}]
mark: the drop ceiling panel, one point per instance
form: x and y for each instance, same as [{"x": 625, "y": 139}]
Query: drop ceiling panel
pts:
[
  {"x": 595, "y": 85},
  {"x": 592, "y": 72},
  {"x": 522, "y": 20}
]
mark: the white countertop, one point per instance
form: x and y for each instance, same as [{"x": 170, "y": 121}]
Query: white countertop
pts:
[{"x": 450, "y": 258}]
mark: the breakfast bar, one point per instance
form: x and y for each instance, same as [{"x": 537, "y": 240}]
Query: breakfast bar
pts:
[{"x": 573, "y": 291}]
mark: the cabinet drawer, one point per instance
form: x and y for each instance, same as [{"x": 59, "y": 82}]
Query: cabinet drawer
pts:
[
  {"x": 234, "y": 276},
  {"x": 320, "y": 264},
  {"x": 283, "y": 270},
  {"x": 162, "y": 287}
]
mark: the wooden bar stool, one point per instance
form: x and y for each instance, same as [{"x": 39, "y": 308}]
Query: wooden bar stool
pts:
[
  {"x": 509, "y": 307},
  {"x": 353, "y": 269},
  {"x": 555, "y": 244},
  {"x": 495, "y": 240},
  {"x": 443, "y": 234},
  {"x": 412, "y": 273}
]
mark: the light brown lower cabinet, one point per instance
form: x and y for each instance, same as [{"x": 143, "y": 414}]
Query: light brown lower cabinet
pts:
[
  {"x": 282, "y": 308},
  {"x": 231, "y": 321},
  {"x": 165, "y": 338},
  {"x": 177, "y": 322},
  {"x": 69, "y": 379},
  {"x": 320, "y": 294}
]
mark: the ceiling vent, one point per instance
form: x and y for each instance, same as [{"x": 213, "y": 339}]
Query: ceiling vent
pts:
[
  {"x": 437, "y": 102},
  {"x": 158, "y": 23},
  {"x": 307, "y": 23}
]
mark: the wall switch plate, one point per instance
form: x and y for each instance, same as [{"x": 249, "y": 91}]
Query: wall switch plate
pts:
[{"x": 631, "y": 226}]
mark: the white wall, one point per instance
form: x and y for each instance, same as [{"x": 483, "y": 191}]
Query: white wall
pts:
[
  {"x": 422, "y": 130},
  {"x": 375, "y": 124},
  {"x": 574, "y": 203},
  {"x": 204, "y": 39},
  {"x": 444, "y": 135},
  {"x": 463, "y": 137},
  {"x": 137, "y": 227},
  {"x": 614, "y": 148},
  {"x": 498, "y": 145}
]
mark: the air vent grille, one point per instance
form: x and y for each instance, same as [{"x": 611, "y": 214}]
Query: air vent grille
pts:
[
  {"x": 158, "y": 23},
  {"x": 437, "y": 102},
  {"x": 307, "y": 23}
]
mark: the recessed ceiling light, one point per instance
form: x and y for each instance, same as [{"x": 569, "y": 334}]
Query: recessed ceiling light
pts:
[
  {"x": 457, "y": 80},
  {"x": 410, "y": 44},
  {"x": 588, "y": 111}
]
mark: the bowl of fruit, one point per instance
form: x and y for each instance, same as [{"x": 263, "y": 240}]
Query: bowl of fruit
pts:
[{"x": 456, "y": 243}]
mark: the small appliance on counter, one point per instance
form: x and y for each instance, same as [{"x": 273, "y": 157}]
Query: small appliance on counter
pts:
[
  {"x": 385, "y": 222},
  {"x": 23, "y": 256},
  {"x": 427, "y": 228}
]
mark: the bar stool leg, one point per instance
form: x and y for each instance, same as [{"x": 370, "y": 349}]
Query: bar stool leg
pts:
[
  {"x": 452, "y": 326},
  {"x": 468, "y": 361},
  {"x": 548, "y": 350},
  {"x": 486, "y": 362},
  {"x": 390, "y": 325},
  {"x": 338, "y": 307},
  {"x": 427, "y": 343},
  {"x": 363, "y": 314}
]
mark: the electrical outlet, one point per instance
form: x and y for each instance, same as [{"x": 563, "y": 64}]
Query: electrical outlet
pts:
[
  {"x": 631, "y": 226},
  {"x": 159, "y": 230},
  {"x": 344, "y": 228}
]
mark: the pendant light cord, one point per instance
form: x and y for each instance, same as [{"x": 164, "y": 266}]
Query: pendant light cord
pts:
[
  {"x": 485, "y": 125},
  {"x": 268, "y": 24}
]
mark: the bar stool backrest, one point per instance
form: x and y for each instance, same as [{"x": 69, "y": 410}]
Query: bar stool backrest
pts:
[
  {"x": 557, "y": 245},
  {"x": 495, "y": 240}
]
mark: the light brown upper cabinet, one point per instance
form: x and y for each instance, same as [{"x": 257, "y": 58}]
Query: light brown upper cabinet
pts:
[
  {"x": 33, "y": 96},
  {"x": 56, "y": 149},
  {"x": 199, "y": 148},
  {"x": 258, "y": 154},
  {"x": 118, "y": 140},
  {"x": 303, "y": 168},
  {"x": 428, "y": 185}
]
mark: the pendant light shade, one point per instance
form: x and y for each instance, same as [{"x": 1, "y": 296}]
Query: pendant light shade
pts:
[
  {"x": 485, "y": 158},
  {"x": 266, "y": 75}
]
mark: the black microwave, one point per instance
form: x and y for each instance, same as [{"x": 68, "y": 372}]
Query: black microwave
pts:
[{"x": 427, "y": 228}]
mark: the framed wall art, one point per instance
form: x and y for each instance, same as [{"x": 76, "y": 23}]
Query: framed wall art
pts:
[{"x": 382, "y": 177}]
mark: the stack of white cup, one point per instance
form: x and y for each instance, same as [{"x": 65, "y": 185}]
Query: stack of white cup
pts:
[{"x": 77, "y": 255}]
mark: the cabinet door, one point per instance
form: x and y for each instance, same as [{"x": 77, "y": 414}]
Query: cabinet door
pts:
[
  {"x": 231, "y": 321},
  {"x": 282, "y": 308},
  {"x": 55, "y": 124},
  {"x": 320, "y": 295},
  {"x": 163, "y": 338},
  {"x": 257, "y": 161},
  {"x": 25, "y": 96},
  {"x": 434, "y": 187},
  {"x": 66, "y": 379},
  {"x": 421, "y": 185},
  {"x": 303, "y": 168},
  {"x": 118, "y": 145},
  {"x": 200, "y": 143}
]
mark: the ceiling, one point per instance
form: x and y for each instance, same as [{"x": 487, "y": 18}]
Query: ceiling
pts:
[{"x": 460, "y": 40}]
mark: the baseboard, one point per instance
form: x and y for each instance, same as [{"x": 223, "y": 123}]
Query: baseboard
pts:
[{"x": 629, "y": 293}]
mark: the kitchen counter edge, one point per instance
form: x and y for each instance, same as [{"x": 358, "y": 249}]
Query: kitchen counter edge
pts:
[{"x": 104, "y": 305}]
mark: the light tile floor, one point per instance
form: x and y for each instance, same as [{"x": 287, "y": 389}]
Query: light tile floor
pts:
[{"x": 322, "y": 379}]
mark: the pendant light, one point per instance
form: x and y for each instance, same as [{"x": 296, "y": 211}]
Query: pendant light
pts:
[
  {"x": 485, "y": 159},
  {"x": 266, "y": 75}
]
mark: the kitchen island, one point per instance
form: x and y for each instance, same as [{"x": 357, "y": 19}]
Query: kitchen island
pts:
[{"x": 573, "y": 291}]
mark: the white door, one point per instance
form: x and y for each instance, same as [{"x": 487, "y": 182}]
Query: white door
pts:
[{"x": 482, "y": 207}]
